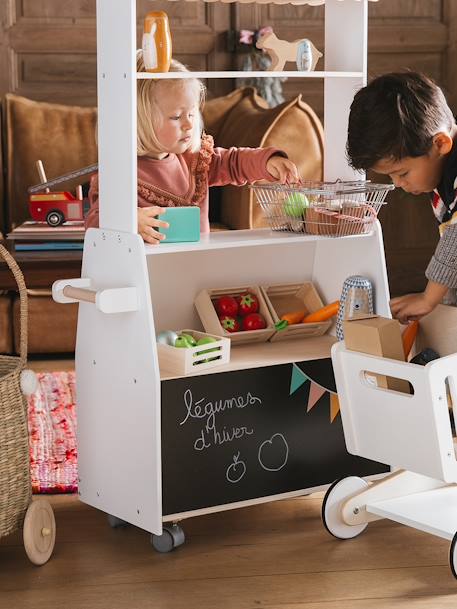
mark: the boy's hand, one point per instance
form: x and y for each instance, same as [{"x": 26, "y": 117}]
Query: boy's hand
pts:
[
  {"x": 414, "y": 306},
  {"x": 147, "y": 222},
  {"x": 409, "y": 307},
  {"x": 283, "y": 170}
]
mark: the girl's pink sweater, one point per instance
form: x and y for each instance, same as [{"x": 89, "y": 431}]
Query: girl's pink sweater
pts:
[{"x": 184, "y": 179}]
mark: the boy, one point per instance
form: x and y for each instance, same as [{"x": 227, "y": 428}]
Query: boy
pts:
[{"x": 400, "y": 125}]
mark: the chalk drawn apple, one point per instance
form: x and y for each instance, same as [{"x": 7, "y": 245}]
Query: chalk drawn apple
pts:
[
  {"x": 235, "y": 470},
  {"x": 273, "y": 452}
]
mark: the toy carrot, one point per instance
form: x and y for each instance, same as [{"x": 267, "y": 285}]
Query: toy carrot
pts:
[
  {"x": 323, "y": 314},
  {"x": 288, "y": 319},
  {"x": 409, "y": 336}
]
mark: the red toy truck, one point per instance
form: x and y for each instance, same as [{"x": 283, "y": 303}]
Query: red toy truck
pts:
[
  {"x": 55, "y": 208},
  {"x": 61, "y": 206}
]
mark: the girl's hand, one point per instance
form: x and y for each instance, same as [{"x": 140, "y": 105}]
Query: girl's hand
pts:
[
  {"x": 147, "y": 222},
  {"x": 283, "y": 170},
  {"x": 410, "y": 307}
]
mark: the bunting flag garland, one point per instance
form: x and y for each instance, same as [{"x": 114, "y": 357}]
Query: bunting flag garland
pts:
[
  {"x": 315, "y": 394},
  {"x": 334, "y": 406},
  {"x": 316, "y": 391},
  {"x": 298, "y": 379}
]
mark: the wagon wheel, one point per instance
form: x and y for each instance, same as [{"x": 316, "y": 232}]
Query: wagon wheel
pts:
[
  {"x": 335, "y": 497},
  {"x": 172, "y": 537},
  {"x": 55, "y": 217},
  {"x": 39, "y": 531}
]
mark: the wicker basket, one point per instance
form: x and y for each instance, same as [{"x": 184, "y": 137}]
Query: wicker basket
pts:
[{"x": 15, "y": 486}]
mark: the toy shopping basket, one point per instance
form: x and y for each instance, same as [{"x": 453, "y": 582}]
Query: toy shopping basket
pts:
[
  {"x": 331, "y": 209},
  {"x": 16, "y": 506}
]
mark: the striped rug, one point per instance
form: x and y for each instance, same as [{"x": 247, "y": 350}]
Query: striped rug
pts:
[{"x": 52, "y": 432}]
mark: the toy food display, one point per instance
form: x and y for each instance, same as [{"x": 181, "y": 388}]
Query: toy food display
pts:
[
  {"x": 288, "y": 319},
  {"x": 295, "y": 205},
  {"x": 339, "y": 218},
  {"x": 156, "y": 42},
  {"x": 188, "y": 351},
  {"x": 333, "y": 209},
  {"x": 289, "y": 304},
  {"x": 240, "y": 313},
  {"x": 322, "y": 314},
  {"x": 356, "y": 299},
  {"x": 167, "y": 337},
  {"x": 409, "y": 336}
]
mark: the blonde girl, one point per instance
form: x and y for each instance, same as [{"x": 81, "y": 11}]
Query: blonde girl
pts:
[{"x": 177, "y": 162}]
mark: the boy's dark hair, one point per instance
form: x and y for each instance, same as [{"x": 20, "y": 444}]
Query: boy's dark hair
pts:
[{"x": 395, "y": 116}]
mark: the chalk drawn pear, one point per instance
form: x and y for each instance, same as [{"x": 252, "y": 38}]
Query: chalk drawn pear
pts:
[
  {"x": 273, "y": 453},
  {"x": 235, "y": 470}
]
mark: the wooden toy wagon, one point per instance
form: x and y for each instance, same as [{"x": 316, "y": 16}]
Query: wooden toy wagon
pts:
[{"x": 16, "y": 506}]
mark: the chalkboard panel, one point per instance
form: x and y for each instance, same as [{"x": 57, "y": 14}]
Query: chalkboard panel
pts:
[{"x": 241, "y": 435}]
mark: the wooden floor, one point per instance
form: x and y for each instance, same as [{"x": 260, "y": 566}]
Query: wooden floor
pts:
[{"x": 275, "y": 556}]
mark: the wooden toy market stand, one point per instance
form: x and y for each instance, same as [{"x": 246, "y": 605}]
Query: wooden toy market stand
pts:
[{"x": 153, "y": 448}]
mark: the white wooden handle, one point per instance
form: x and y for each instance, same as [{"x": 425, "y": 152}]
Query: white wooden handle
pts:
[
  {"x": 80, "y": 294},
  {"x": 107, "y": 300}
]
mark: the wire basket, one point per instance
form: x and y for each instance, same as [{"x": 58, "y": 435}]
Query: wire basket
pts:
[{"x": 331, "y": 209}]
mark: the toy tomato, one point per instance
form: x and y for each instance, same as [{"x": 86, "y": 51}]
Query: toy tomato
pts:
[
  {"x": 247, "y": 303},
  {"x": 226, "y": 305},
  {"x": 229, "y": 323},
  {"x": 253, "y": 321}
]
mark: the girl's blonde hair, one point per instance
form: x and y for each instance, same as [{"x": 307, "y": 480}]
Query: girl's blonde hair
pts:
[{"x": 148, "y": 112}]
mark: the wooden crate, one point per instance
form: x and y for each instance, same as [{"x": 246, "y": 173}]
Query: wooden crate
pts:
[
  {"x": 285, "y": 298},
  {"x": 210, "y": 320},
  {"x": 183, "y": 361}
]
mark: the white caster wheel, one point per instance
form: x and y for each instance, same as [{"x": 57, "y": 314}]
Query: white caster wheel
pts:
[
  {"x": 39, "y": 531},
  {"x": 332, "y": 505},
  {"x": 453, "y": 556},
  {"x": 116, "y": 523},
  {"x": 172, "y": 537}
]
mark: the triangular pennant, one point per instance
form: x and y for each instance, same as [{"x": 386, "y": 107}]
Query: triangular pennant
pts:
[
  {"x": 334, "y": 406},
  {"x": 298, "y": 379},
  {"x": 315, "y": 394}
]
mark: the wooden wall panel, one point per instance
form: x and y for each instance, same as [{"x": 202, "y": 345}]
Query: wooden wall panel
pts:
[
  {"x": 49, "y": 46},
  {"x": 410, "y": 34},
  {"x": 55, "y": 9}
]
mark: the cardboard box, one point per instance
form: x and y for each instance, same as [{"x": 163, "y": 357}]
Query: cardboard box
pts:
[{"x": 378, "y": 336}]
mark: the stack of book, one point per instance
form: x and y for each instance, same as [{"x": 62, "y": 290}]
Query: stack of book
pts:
[{"x": 35, "y": 236}]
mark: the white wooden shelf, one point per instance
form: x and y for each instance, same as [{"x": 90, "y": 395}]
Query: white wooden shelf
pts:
[
  {"x": 240, "y": 238},
  {"x": 250, "y": 74},
  {"x": 259, "y": 355},
  {"x": 433, "y": 512}
]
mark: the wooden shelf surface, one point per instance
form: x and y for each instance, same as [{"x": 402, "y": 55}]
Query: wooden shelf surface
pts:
[
  {"x": 249, "y": 74},
  {"x": 241, "y": 238}
]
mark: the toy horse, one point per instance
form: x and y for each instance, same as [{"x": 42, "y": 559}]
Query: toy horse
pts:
[{"x": 303, "y": 51}]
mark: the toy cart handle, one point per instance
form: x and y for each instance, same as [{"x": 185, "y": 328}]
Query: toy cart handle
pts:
[
  {"x": 106, "y": 300},
  {"x": 19, "y": 277}
]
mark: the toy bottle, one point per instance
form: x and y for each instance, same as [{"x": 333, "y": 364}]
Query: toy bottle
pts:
[
  {"x": 356, "y": 299},
  {"x": 156, "y": 42}
]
